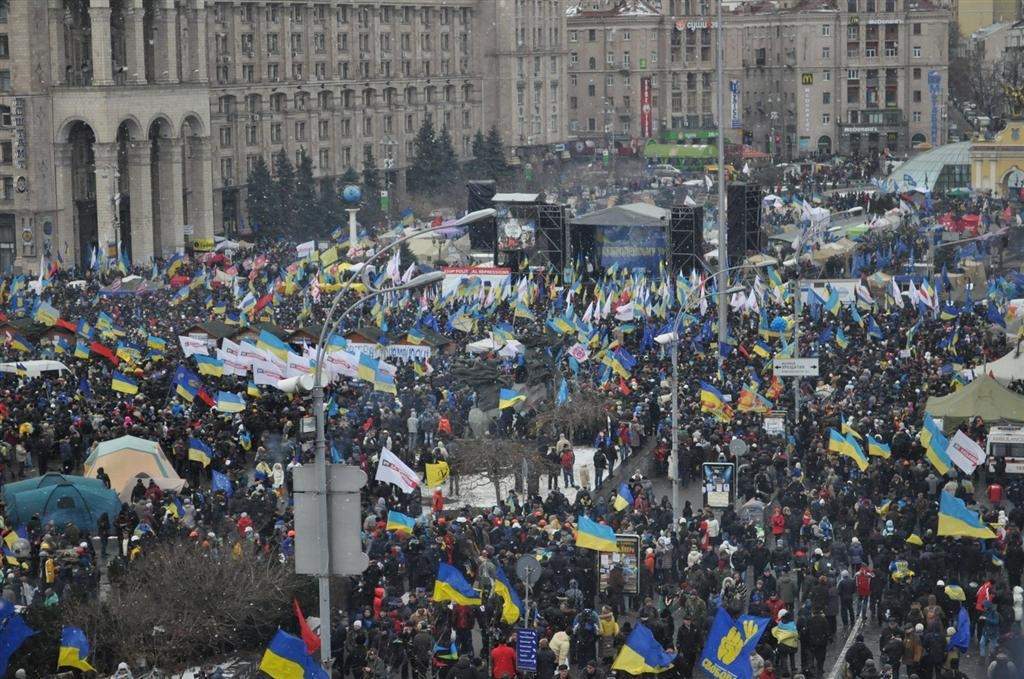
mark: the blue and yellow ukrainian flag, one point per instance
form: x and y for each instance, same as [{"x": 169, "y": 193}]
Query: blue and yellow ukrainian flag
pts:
[
  {"x": 19, "y": 343},
  {"x": 46, "y": 313},
  {"x": 832, "y": 303},
  {"x": 451, "y": 585},
  {"x": 592, "y": 535},
  {"x": 935, "y": 444},
  {"x": 156, "y": 343},
  {"x": 286, "y": 657},
  {"x": 415, "y": 336},
  {"x": 200, "y": 452},
  {"x": 397, "y": 521},
  {"x": 214, "y": 367},
  {"x": 513, "y": 609},
  {"x": 710, "y": 397},
  {"x": 762, "y": 349},
  {"x": 507, "y": 398},
  {"x": 61, "y": 345},
  {"x": 74, "y": 649},
  {"x": 124, "y": 384},
  {"x": 252, "y": 390},
  {"x": 385, "y": 383},
  {"x": 878, "y": 449},
  {"x": 642, "y": 654},
  {"x": 228, "y": 402},
  {"x": 836, "y": 442},
  {"x": 855, "y": 452},
  {"x": 841, "y": 339},
  {"x": 956, "y": 519},
  {"x": 269, "y": 342},
  {"x": 81, "y": 349},
  {"x": 848, "y": 429},
  {"x": 623, "y": 498},
  {"x": 367, "y": 368}
]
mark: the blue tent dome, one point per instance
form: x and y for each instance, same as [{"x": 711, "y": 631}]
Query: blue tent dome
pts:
[{"x": 64, "y": 503}]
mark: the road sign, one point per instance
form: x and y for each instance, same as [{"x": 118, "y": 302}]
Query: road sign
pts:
[
  {"x": 529, "y": 570},
  {"x": 526, "y": 650},
  {"x": 738, "y": 447},
  {"x": 344, "y": 482},
  {"x": 796, "y": 367},
  {"x": 774, "y": 425}
]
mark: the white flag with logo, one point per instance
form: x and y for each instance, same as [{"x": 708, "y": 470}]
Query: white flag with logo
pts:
[
  {"x": 391, "y": 469},
  {"x": 965, "y": 452},
  {"x": 193, "y": 345}
]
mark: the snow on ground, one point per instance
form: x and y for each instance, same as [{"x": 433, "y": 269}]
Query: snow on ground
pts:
[{"x": 477, "y": 491}]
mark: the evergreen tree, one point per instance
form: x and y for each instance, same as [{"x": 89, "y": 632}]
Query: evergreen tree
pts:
[
  {"x": 331, "y": 210},
  {"x": 305, "y": 202},
  {"x": 284, "y": 190},
  {"x": 447, "y": 171},
  {"x": 371, "y": 175},
  {"x": 477, "y": 167},
  {"x": 260, "y": 198},
  {"x": 494, "y": 152},
  {"x": 422, "y": 173},
  {"x": 350, "y": 177}
]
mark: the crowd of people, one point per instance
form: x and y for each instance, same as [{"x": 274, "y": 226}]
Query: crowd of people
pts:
[{"x": 836, "y": 547}]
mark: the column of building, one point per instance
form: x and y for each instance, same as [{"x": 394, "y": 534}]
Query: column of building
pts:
[
  {"x": 201, "y": 211},
  {"x": 57, "y": 53},
  {"x": 197, "y": 44},
  {"x": 135, "y": 42},
  {"x": 99, "y": 18},
  {"x": 105, "y": 155},
  {"x": 141, "y": 182},
  {"x": 172, "y": 219},
  {"x": 64, "y": 228},
  {"x": 165, "y": 45}
]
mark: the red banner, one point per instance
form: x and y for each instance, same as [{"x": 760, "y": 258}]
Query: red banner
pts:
[{"x": 645, "y": 108}]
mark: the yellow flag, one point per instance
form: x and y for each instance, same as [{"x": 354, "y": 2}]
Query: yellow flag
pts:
[
  {"x": 437, "y": 474},
  {"x": 329, "y": 256}
]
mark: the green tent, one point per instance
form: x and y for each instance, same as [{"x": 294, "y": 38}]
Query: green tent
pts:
[
  {"x": 984, "y": 398},
  {"x": 49, "y": 479},
  {"x": 64, "y": 503}
]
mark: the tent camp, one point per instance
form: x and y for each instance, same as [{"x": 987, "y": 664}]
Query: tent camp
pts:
[
  {"x": 984, "y": 397},
  {"x": 128, "y": 457},
  {"x": 1006, "y": 369},
  {"x": 49, "y": 479},
  {"x": 64, "y": 503}
]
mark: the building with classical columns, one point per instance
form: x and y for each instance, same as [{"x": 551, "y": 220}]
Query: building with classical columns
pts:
[{"x": 131, "y": 125}]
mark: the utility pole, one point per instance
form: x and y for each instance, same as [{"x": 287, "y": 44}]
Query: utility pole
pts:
[{"x": 723, "y": 256}]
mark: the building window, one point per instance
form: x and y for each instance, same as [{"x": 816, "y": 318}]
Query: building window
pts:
[
  {"x": 592, "y": 35},
  {"x": 573, "y": 36},
  {"x": 917, "y": 74},
  {"x": 826, "y": 98},
  {"x": 346, "y": 156},
  {"x": 251, "y": 135},
  {"x": 297, "y": 72},
  {"x": 626, "y": 36},
  {"x": 827, "y": 76},
  {"x": 916, "y": 116},
  {"x": 225, "y": 137},
  {"x": 275, "y": 133},
  {"x": 917, "y": 28},
  {"x": 6, "y": 153},
  {"x": 272, "y": 43},
  {"x": 917, "y": 96},
  {"x": 325, "y": 160},
  {"x": 248, "y": 73},
  {"x": 300, "y": 130},
  {"x": 4, "y": 47},
  {"x": 5, "y": 116},
  {"x": 227, "y": 171},
  {"x": 915, "y": 52},
  {"x": 826, "y": 52},
  {"x": 852, "y": 74},
  {"x": 826, "y": 30},
  {"x": 826, "y": 118},
  {"x": 272, "y": 73}
]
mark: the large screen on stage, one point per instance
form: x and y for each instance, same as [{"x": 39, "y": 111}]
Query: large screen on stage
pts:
[{"x": 633, "y": 247}]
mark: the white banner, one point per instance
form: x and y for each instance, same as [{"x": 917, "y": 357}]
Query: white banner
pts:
[
  {"x": 193, "y": 345},
  {"x": 392, "y": 470},
  {"x": 341, "y": 363},
  {"x": 965, "y": 453},
  {"x": 298, "y": 365},
  {"x": 250, "y": 354},
  {"x": 266, "y": 373},
  {"x": 403, "y": 352},
  {"x": 232, "y": 364}
]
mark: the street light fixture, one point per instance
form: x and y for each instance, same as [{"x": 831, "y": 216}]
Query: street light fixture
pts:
[
  {"x": 672, "y": 338},
  {"x": 333, "y": 320}
]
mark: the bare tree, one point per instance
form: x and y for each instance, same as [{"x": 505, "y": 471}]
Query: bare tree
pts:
[
  {"x": 496, "y": 460},
  {"x": 585, "y": 410},
  {"x": 181, "y": 603}
]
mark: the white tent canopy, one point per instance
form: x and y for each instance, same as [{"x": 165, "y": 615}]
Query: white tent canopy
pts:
[
  {"x": 488, "y": 344},
  {"x": 1006, "y": 369}
]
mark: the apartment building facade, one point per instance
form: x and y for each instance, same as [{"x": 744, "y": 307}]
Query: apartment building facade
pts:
[
  {"x": 131, "y": 125},
  {"x": 818, "y": 78}
]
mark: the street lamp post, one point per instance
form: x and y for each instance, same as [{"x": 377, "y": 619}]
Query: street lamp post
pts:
[
  {"x": 723, "y": 255},
  {"x": 332, "y": 320},
  {"x": 673, "y": 338}
]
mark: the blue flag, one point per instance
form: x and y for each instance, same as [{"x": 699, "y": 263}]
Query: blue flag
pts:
[
  {"x": 563, "y": 392},
  {"x": 13, "y": 633},
  {"x": 730, "y": 643},
  {"x": 221, "y": 482},
  {"x": 962, "y": 638}
]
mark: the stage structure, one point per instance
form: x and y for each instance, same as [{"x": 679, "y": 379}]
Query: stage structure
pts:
[{"x": 525, "y": 227}]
